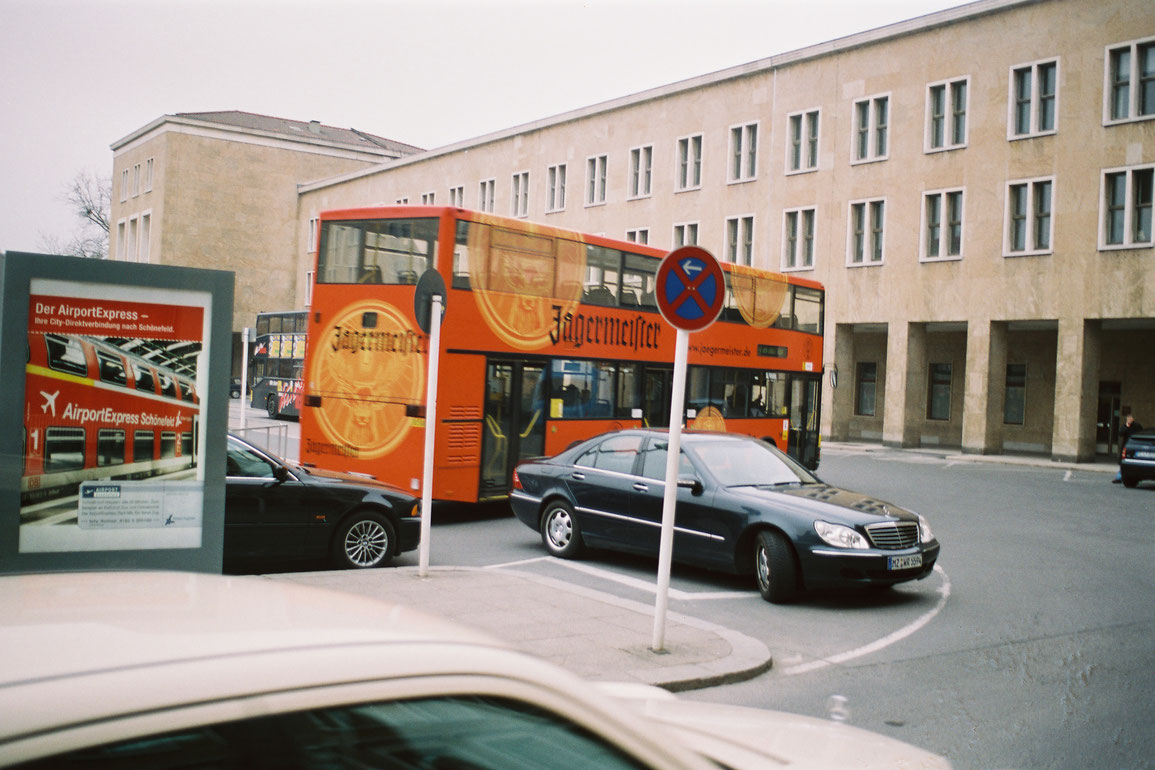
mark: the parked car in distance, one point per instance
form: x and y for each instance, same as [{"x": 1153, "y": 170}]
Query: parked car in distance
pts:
[
  {"x": 1137, "y": 462},
  {"x": 235, "y": 387},
  {"x": 743, "y": 507},
  {"x": 277, "y": 511},
  {"x": 108, "y": 670}
]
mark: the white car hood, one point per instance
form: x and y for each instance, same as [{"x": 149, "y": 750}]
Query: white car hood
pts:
[{"x": 744, "y": 738}]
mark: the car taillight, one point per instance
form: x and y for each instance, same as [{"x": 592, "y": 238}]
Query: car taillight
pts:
[{"x": 517, "y": 480}]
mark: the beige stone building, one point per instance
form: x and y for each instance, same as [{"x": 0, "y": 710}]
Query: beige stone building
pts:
[
  {"x": 219, "y": 189},
  {"x": 973, "y": 187}
]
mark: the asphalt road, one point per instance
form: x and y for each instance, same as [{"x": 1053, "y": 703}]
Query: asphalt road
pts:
[{"x": 1029, "y": 647}]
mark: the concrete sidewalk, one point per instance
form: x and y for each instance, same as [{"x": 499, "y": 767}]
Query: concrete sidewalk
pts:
[{"x": 595, "y": 635}]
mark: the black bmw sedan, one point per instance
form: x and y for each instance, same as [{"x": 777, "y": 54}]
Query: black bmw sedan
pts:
[
  {"x": 743, "y": 507},
  {"x": 275, "y": 511}
]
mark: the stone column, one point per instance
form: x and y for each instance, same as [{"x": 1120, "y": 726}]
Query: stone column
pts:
[
  {"x": 905, "y": 384},
  {"x": 839, "y": 403},
  {"x": 985, "y": 387},
  {"x": 1076, "y": 390}
]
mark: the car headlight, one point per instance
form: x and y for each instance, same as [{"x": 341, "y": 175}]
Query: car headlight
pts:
[
  {"x": 839, "y": 536},
  {"x": 924, "y": 533}
]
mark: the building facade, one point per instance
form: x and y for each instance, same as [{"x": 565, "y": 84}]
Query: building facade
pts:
[
  {"x": 973, "y": 187},
  {"x": 219, "y": 190}
]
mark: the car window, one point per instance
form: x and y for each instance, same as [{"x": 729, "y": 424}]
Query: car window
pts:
[
  {"x": 461, "y": 732},
  {"x": 242, "y": 461},
  {"x": 744, "y": 463},
  {"x": 654, "y": 461},
  {"x": 616, "y": 453}
]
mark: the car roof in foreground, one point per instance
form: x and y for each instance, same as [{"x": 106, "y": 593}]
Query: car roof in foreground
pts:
[
  {"x": 85, "y": 622},
  {"x": 105, "y": 656}
]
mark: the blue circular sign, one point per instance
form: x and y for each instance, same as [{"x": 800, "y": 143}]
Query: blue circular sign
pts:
[{"x": 691, "y": 288}]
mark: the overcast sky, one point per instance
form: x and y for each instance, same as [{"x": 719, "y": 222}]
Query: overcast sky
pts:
[{"x": 77, "y": 75}]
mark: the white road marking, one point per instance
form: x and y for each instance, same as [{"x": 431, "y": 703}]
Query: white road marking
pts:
[{"x": 886, "y": 641}]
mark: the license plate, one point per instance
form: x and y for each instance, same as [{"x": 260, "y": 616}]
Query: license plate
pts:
[
  {"x": 1141, "y": 455},
  {"x": 904, "y": 562}
]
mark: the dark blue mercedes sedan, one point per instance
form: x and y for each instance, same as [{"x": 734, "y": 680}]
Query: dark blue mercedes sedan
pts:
[{"x": 743, "y": 507}]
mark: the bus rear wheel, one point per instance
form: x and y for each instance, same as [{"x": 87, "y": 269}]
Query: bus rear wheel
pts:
[{"x": 271, "y": 406}]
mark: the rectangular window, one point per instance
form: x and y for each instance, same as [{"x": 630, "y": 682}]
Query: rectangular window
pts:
[
  {"x": 596, "y": 180},
  {"x": 866, "y": 230},
  {"x": 136, "y": 180},
  {"x": 740, "y": 240},
  {"x": 689, "y": 173},
  {"x": 314, "y": 229},
  {"x": 871, "y": 127},
  {"x": 1129, "y": 88},
  {"x": 519, "y": 195},
  {"x": 743, "y": 152},
  {"x": 485, "y": 195},
  {"x": 1033, "y": 100},
  {"x": 802, "y": 151},
  {"x": 686, "y": 234},
  {"x": 938, "y": 393},
  {"x": 865, "y": 388},
  {"x": 110, "y": 447},
  {"x": 555, "y": 193},
  {"x": 946, "y": 115},
  {"x": 798, "y": 239},
  {"x": 640, "y": 235},
  {"x": 1015, "y": 398},
  {"x": 1126, "y": 207},
  {"x": 143, "y": 445},
  {"x": 428, "y": 199},
  {"x": 1028, "y": 217},
  {"x": 942, "y": 224},
  {"x": 148, "y": 175},
  {"x": 124, "y": 185},
  {"x": 641, "y": 171},
  {"x": 63, "y": 449},
  {"x": 457, "y": 196},
  {"x": 145, "y": 237}
]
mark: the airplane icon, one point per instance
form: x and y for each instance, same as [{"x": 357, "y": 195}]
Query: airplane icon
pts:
[{"x": 49, "y": 402}]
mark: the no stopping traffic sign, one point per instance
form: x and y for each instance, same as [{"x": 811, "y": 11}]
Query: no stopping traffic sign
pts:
[{"x": 691, "y": 288}]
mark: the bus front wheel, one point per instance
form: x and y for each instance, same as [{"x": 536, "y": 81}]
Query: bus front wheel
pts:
[{"x": 271, "y": 406}]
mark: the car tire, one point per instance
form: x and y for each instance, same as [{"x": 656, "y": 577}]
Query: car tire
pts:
[
  {"x": 775, "y": 568},
  {"x": 560, "y": 531},
  {"x": 1130, "y": 481},
  {"x": 364, "y": 541},
  {"x": 271, "y": 406}
]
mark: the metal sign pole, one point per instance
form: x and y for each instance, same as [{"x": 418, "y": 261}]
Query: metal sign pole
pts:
[
  {"x": 430, "y": 432},
  {"x": 244, "y": 374},
  {"x": 673, "y": 458}
]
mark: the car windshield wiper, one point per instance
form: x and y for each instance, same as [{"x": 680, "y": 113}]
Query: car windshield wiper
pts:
[{"x": 770, "y": 484}]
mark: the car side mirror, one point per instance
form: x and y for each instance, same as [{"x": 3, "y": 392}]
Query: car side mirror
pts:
[
  {"x": 280, "y": 473},
  {"x": 692, "y": 484}
]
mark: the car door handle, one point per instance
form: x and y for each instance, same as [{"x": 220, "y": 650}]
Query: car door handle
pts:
[
  {"x": 578, "y": 476},
  {"x": 642, "y": 487}
]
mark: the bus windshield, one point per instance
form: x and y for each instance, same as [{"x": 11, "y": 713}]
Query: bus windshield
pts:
[{"x": 393, "y": 251}]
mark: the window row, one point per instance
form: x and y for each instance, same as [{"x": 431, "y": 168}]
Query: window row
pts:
[
  {"x": 1032, "y": 111},
  {"x": 139, "y": 181},
  {"x": 938, "y": 391},
  {"x": 64, "y": 447},
  {"x": 1126, "y": 222},
  {"x": 589, "y": 389}
]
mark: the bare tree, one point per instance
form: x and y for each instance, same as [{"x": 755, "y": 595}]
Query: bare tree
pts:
[{"x": 90, "y": 198}]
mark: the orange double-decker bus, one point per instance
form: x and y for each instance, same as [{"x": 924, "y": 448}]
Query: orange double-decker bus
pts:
[{"x": 549, "y": 336}]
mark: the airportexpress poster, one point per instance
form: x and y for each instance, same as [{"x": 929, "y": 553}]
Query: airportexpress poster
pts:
[{"x": 113, "y": 404}]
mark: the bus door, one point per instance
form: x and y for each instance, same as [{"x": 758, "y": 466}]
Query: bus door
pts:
[
  {"x": 804, "y": 400},
  {"x": 514, "y": 422},
  {"x": 657, "y": 389}
]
